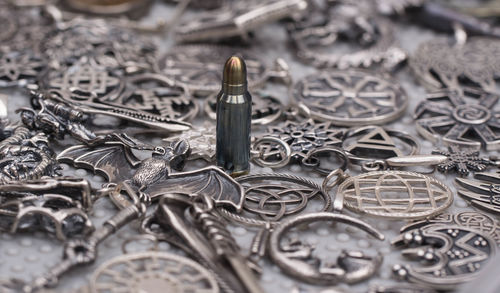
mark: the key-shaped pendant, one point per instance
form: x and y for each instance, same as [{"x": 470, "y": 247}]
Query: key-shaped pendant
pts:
[{"x": 207, "y": 239}]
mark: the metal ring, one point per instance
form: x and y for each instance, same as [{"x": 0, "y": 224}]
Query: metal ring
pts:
[
  {"x": 338, "y": 151},
  {"x": 341, "y": 176},
  {"x": 149, "y": 237},
  {"x": 279, "y": 164}
]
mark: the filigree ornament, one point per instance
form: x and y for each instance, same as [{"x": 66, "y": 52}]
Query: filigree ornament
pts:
[
  {"x": 394, "y": 195},
  {"x": 271, "y": 198},
  {"x": 19, "y": 67},
  {"x": 319, "y": 36},
  {"x": 441, "y": 65},
  {"x": 451, "y": 255},
  {"x": 236, "y": 19},
  {"x": 463, "y": 161},
  {"x": 350, "y": 98},
  {"x": 265, "y": 108},
  {"x": 198, "y": 67},
  {"x": 468, "y": 119},
  {"x": 146, "y": 271},
  {"x": 202, "y": 141},
  {"x": 474, "y": 220},
  {"x": 483, "y": 192}
]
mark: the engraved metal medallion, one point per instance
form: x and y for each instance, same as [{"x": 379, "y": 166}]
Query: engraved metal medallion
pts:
[
  {"x": 350, "y": 98},
  {"x": 450, "y": 255},
  {"x": 467, "y": 119},
  {"x": 152, "y": 272},
  {"x": 394, "y": 195},
  {"x": 483, "y": 191}
]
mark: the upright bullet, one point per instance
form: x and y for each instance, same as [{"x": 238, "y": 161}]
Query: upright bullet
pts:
[{"x": 234, "y": 112}]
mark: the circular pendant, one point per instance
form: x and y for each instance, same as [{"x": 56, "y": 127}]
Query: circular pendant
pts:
[{"x": 350, "y": 98}]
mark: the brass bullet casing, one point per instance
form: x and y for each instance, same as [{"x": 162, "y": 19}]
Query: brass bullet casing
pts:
[{"x": 234, "y": 112}]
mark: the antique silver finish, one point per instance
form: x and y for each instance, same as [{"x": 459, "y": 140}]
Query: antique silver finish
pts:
[
  {"x": 134, "y": 8},
  {"x": 198, "y": 67},
  {"x": 452, "y": 255},
  {"x": 151, "y": 271},
  {"x": 350, "y": 98},
  {"x": 201, "y": 139},
  {"x": 466, "y": 118},
  {"x": 298, "y": 260},
  {"x": 463, "y": 161},
  {"x": 271, "y": 198},
  {"x": 236, "y": 20},
  {"x": 19, "y": 68},
  {"x": 394, "y": 195},
  {"x": 483, "y": 191}
]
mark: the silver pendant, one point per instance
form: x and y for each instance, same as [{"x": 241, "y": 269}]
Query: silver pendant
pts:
[
  {"x": 18, "y": 68},
  {"x": 473, "y": 220},
  {"x": 374, "y": 194},
  {"x": 265, "y": 108},
  {"x": 152, "y": 270},
  {"x": 463, "y": 162},
  {"x": 451, "y": 117},
  {"x": 199, "y": 67},
  {"x": 271, "y": 198},
  {"x": 440, "y": 65},
  {"x": 452, "y": 255},
  {"x": 483, "y": 191},
  {"x": 236, "y": 19},
  {"x": 350, "y": 98},
  {"x": 298, "y": 260}
]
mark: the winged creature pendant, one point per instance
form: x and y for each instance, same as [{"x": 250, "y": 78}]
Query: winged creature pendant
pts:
[{"x": 152, "y": 177}]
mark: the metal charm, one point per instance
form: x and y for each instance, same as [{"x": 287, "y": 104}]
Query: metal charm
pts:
[
  {"x": 132, "y": 8},
  {"x": 463, "y": 161},
  {"x": 440, "y": 65},
  {"x": 198, "y": 67},
  {"x": 394, "y": 195},
  {"x": 302, "y": 137},
  {"x": 453, "y": 255},
  {"x": 317, "y": 39},
  {"x": 150, "y": 271},
  {"x": 237, "y": 19},
  {"x": 19, "y": 68},
  {"x": 483, "y": 192},
  {"x": 299, "y": 261},
  {"x": 448, "y": 115},
  {"x": 201, "y": 139},
  {"x": 152, "y": 177},
  {"x": 265, "y": 108},
  {"x": 350, "y": 98},
  {"x": 270, "y": 198},
  {"x": 474, "y": 220}
]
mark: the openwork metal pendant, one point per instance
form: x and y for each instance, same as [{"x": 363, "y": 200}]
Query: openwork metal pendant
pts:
[
  {"x": 350, "y": 98},
  {"x": 467, "y": 119},
  {"x": 483, "y": 192},
  {"x": 394, "y": 195},
  {"x": 453, "y": 254},
  {"x": 149, "y": 271}
]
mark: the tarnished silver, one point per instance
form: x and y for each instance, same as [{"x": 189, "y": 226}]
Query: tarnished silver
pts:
[
  {"x": 397, "y": 195},
  {"x": 132, "y": 8},
  {"x": 439, "y": 64},
  {"x": 271, "y": 198},
  {"x": 302, "y": 137},
  {"x": 19, "y": 68},
  {"x": 451, "y": 255},
  {"x": 318, "y": 38},
  {"x": 236, "y": 19},
  {"x": 265, "y": 108},
  {"x": 400, "y": 288},
  {"x": 474, "y": 220},
  {"x": 465, "y": 117},
  {"x": 205, "y": 238},
  {"x": 298, "y": 260},
  {"x": 199, "y": 67},
  {"x": 463, "y": 161},
  {"x": 201, "y": 140},
  {"x": 150, "y": 271},
  {"x": 350, "y": 98},
  {"x": 483, "y": 191}
]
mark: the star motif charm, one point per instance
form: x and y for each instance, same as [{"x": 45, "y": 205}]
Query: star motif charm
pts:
[{"x": 462, "y": 161}]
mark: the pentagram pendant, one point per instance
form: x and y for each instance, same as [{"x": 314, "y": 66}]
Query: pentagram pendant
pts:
[
  {"x": 394, "y": 195},
  {"x": 265, "y": 108},
  {"x": 440, "y": 65},
  {"x": 198, "y": 67},
  {"x": 467, "y": 119},
  {"x": 483, "y": 192},
  {"x": 153, "y": 272},
  {"x": 350, "y": 98},
  {"x": 453, "y": 254}
]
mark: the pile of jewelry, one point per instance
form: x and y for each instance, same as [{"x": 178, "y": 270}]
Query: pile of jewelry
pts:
[{"x": 249, "y": 146}]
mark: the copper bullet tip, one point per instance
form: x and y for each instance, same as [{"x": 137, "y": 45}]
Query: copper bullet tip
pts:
[{"x": 235, "y": 72}]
